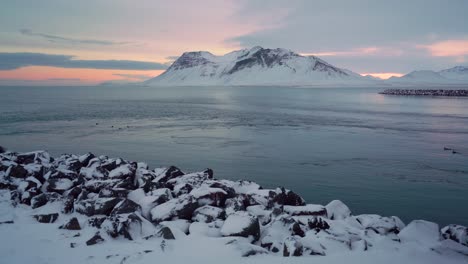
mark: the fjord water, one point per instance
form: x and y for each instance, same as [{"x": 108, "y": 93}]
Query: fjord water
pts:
[{"x": 377, "y": 153}]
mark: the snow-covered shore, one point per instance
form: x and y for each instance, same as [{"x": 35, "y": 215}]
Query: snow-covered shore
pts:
[{"x": 87, "y": 209}]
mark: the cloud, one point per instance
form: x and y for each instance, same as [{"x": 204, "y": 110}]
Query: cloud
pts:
[
  {"x": 56, "y": 38},
  {"x": 11, "y": 61},
  {"x": 133, "y": 76},
  {"x": 448, "y": 48}
]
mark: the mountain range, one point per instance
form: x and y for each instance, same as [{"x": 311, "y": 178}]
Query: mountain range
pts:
[{"x": 282, "y": 67}]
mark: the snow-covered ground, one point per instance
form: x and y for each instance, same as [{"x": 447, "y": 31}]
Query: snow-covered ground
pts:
[{"x": 87, "y": 209}]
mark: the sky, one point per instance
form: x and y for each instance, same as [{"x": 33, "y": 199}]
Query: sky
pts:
[{"x": 87, "y": 42}]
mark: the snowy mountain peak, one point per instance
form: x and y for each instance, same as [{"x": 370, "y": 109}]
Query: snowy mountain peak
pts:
[{"x": 255, "y": 66}]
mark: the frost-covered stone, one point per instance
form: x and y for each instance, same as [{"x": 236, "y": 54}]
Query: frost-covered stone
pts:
[
  {"x": 309, "y": 209},
  {"x": 96, "y": 239},
  {"x": 292, "y": 247},
  {"x": 456, "y": 233},
  {"x": 381, "y": 224},
  {"x": 207, "y": 214},
  {"x": 421, "y": 231},
  {"x": 241, "y": 224},
  {"x": 46, "y": 218},
  {"x": 337, "y": 210}
]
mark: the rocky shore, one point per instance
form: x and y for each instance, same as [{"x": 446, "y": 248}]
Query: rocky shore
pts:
[
  {"x": 425, "y": 92},
  {"x": 92, "y": 200}
]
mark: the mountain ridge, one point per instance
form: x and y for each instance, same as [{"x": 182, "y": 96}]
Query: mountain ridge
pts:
[{"x": 255, "y": 66}]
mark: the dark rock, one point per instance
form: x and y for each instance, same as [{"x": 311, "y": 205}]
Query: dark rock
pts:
[
  {"x": 17, "y": 171},
  {"x": 318, "y": 224},
  {"x": 297, "y": 230},
  {"x": 26, "y": 158},
  {"x": 234, "y": 205},
  {"x": 127, "y": 183},
  {"x": 166, "y": 233},
  {"x": 287, "y": 197},
  {"x": 73, "y": 245},
  {"x": 231, "y": 193},
  {"x": 126, "y": 206},
  {"x": 28, "y": 195},
  {"x": 46, "y": 218},
  {"x": 72, "y": 224},
  {"x": 73, "y": 192},
  {"x": 68, "y": 205},
  {"x": 38, "y": 200},
  {"x": 96, "y": 221},
  {"x": 171, "y": 173},
  {"x": 209, "y": 172},
  {"x": 456, "y": 233},
  {"x": 186, "y": 209},
  {"x": 96, "y": 239},
  {"x": 2, "y": 149},
  {"x": 101, "y": 206},
  {"x": 84, "y": 159}
]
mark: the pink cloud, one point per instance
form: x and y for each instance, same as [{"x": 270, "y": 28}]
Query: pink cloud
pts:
[
  {"x": 365, "y": 51},
  {"x": 448, "y": 48}
]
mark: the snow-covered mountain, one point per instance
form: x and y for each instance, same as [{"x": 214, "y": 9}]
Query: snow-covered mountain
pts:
[
  {"x": 256, "y": 66},
  {"x": 455, "y": 75}
]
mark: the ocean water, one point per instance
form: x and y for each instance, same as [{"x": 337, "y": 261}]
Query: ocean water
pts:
[{"x": 377, "y": 153}]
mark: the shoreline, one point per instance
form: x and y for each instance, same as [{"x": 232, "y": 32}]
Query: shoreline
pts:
[{"x": 111, "y": 200}]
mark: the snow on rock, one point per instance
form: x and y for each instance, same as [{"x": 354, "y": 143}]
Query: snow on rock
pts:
[
  {"x": 125, "y": 208},
  {"x": 421, "y": 231},
  {"x": 309, "y": 209},
  {"x": 241, "y": 224},
  {"x": 337, "y": 210},
  {"x": 456, "y": 233}
]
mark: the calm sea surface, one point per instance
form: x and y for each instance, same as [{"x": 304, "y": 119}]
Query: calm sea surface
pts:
[{"x": 378, "y": 154}]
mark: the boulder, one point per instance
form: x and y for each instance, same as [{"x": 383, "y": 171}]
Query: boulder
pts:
[
  {"x": 38, "y": 200},
  {"x": 126, "y": 206},
  {"x": 208, "y": 214},
  {"x": 420, "y": 231},
  {"x": 123, "y": 172},
  {"x": 456, "y": 233},
  {"x": 166, "y": 233},
  {"x": 337, "y": 210},
  {"x": 317, "y": 224},
  {"x": 59, "y": 185},
  {"x": 287, "y": 197},
  {"x": 100, "y": 206},
  {"x": 170, "y": 173},
  {"x": 72, "y": 224},
  {"x": 235, "y": 204},
  {"x": 241, "y": 224},
  {"x": 180, "y": 208},
  {"x": 46, "y": 218},
  {"x": 84, "y": 159},
  {"x": 17, "y": 171},
  {"x": 96, "y": 239},
  {"x": 309, "y": 209},
  {"x": 292, "y": 247},
  {"x": 129, "y": 226},
  {"x": 209, "y": 196},
  {"x": 379, "y": 224}
]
